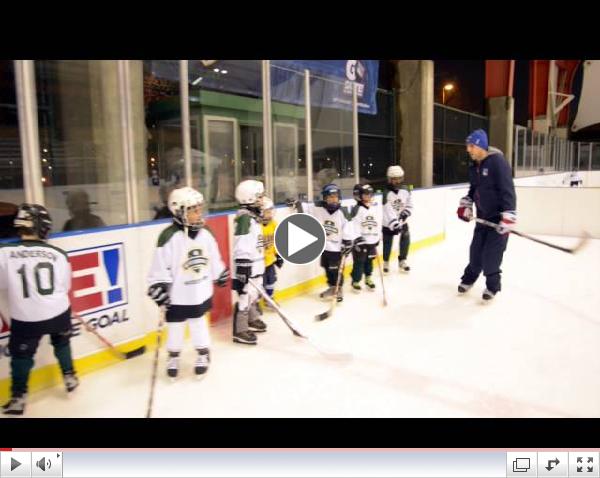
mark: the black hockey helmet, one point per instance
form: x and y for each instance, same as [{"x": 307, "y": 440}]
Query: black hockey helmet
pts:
[
  {"x": 361, "y": 189},
  {"x": 35, "y": 218}
]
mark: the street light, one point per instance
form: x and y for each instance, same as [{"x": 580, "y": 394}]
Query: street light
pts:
[{"x": 447, "y": 87}]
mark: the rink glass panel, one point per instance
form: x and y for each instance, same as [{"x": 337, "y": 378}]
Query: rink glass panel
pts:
[
  {"x": 289, "y": 134},
  {"x": 80, "y": 139},
  {"x": 226, "y": 125},
  {"x": 11, "y": 164}
]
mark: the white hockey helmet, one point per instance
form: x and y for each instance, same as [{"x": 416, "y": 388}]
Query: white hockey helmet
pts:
[
  {"x": 267, "y": 203},
  {"x": 249, "y": 192},
  {"x": 395, "y": 172},
  {"x": 180, "y": 200}
]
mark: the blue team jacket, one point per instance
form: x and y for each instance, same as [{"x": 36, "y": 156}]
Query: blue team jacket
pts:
[{"x": 491, "y": 187}]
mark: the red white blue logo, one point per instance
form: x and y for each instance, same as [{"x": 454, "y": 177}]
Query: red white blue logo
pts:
[{"x": 99, "y": 280}]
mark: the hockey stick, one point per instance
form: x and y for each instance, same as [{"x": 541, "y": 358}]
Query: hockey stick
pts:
[
  {"x": 570, "y": 250},
  {"x": 161, "y": 321},
  {"x": 122, "y": 355},
  {"x": 385, "y": 303},
  {"x": 294, "y": 328},
  {"x": 329, "y": 312}
]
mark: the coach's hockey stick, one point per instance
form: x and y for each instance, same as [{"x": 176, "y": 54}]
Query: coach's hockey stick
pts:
[
  {"x": 161, "y": 321},
  {"x": 570, "y": 250},
  {"x": 329, "y": 312},
  {"x": 294, "y": 328},
  {"x": 122, "y": 355}
]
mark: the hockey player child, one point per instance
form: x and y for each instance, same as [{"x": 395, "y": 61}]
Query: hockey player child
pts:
[
  {"x": 339, "y": 235},
  {"x": 397, "y": 208},
  {"x": 185, "y": 264},
  {"x": 367, "y": 226},
  {"x": 249, "y": 260},
  {"x": 272, "y": 259},
  {"x": 38, "y": 278}
]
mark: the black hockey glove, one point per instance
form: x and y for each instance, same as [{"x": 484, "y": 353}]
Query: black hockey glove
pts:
[
  {"x": 359, "y": 242},
  {"x": 404, "y": 215},
  {"x": 223, "y": 278},
  {"x": 346, "y": 247},
  {"x": 395, "y": 226},
  {"x": 279, "y": 261},
  {"x": 242, "y": 273},
  {"x": 292, "y": 203},
  {"x": 159, "y": 293}
]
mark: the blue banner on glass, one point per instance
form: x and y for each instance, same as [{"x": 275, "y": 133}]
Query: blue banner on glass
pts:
[
  {"x": 331, "y": 80},
  {"x": 330, "y": 85}
]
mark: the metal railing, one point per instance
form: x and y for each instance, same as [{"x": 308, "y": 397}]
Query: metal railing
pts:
[{"x": 537, "y": 153}]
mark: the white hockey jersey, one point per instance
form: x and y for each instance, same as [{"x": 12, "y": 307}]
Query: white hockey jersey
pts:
[
  {"x": 189, "y": 265},
  {"x": 337, "y": 226},
  {"x": 394, "y": 202},
  {"x": 38, "y": 278},
  {"x": 367, "y": 222},
  {"x": 248, "y": 242}
]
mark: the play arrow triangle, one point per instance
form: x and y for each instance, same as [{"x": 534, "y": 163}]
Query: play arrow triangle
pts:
[
  {"x": 14, "y": 464},
  {"x": 298, "y": 239}
]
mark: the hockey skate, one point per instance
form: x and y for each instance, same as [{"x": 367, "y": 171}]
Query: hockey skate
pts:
[
  {"x": 462, "y": 287},
  {"x": 202, "y": 361},
  {"x": 369, "y": 283},
  {"x": 327, "y": 293},
  {"x": 403, "y": 266},
  {"x": 245, "y": 337},
  {"x": 340, "y": 294},
  {"x": 255, "y": 324},
  {"x": 386, "y": 267},
  {"x": 71, "y": 381},
  {"x": 16, "y": 405},
  {"x": 488, "y": 295},
  {"x": 173, "y": 366},
  {"x": 356, "y": 287}
]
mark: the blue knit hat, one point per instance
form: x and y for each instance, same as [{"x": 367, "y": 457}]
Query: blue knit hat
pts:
[{"x": 478, "y": 138}]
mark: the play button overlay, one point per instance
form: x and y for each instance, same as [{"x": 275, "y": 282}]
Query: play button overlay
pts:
[
  {"x": 15, "y": 464},
  {"x": 300, "y": 239}
]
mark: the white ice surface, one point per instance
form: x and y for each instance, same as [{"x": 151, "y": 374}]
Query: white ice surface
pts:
[{"x": 533, "y": 352}]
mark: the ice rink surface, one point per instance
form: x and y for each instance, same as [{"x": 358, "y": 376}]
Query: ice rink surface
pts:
[{"x": 533, "y": 352}]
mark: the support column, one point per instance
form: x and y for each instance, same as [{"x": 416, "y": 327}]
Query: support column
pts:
[
  {"x": 501, "y": 115},
  {"x": 414, "y": 111}
]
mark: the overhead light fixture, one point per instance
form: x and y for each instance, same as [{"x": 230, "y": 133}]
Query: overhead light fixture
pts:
[
  {"x": 216, "y": 70},
  {"x": 224, "y": 72}
]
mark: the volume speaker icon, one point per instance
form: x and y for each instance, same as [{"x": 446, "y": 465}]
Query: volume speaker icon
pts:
[{"x": 43, "y": 463}]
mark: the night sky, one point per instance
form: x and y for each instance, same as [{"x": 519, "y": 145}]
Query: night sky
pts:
[{"x": 468, "y": 76}]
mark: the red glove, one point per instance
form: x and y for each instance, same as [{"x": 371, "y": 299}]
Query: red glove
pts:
[
  {"x": 465, "y": 209},
  {"x": 509, "y": 219}
]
